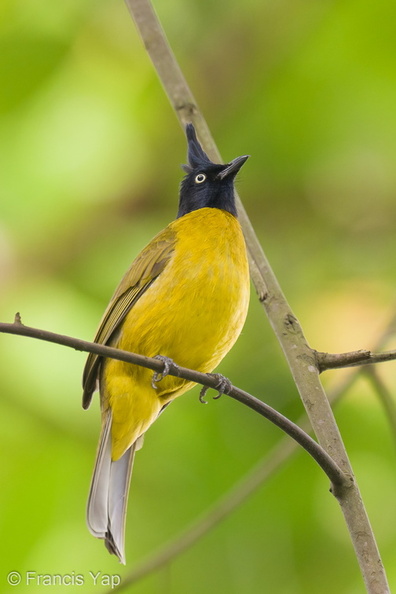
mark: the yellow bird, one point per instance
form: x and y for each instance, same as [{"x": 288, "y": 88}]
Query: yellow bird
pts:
[{"x": 184, "y": 297}]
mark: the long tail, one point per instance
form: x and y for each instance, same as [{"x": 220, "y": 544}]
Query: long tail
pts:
[{"x": 108, "y": 496}]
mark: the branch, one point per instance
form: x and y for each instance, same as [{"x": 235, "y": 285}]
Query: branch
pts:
[
  {"x": 335, "y": 474},
  {"x": 221, "y": 509},
  {"x": 299, "y": 355},
  {"x": 241, "y": 491},
  {"x": 385, "y": 397},
  {"x": 352, "y": 359}
]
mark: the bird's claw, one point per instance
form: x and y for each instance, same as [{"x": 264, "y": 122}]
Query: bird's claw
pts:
[
  {"x": 159, "y": 375},
  {"x": 223, "y": 385},
  {"x": 202, "y": 395}
]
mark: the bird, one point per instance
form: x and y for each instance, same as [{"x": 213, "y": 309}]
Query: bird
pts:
[{"x": 185, "y": 298}]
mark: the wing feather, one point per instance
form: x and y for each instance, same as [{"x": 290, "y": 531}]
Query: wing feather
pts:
[{"x": 143, "y": 271}]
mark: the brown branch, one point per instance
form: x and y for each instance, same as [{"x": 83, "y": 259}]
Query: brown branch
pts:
[
  {"x": 352, "y": 359},
  {"x": 339, "y": 479},
  {"x": 300, "y": 357}
]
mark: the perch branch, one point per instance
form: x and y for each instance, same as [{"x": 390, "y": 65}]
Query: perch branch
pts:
[{"x": 335, "y": 474}]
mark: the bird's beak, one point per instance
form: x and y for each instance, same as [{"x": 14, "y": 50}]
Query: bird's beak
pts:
[{"x": 233, "y": 167}]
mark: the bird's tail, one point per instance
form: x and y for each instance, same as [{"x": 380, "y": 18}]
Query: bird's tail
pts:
[{"x": 108, "y": 496}]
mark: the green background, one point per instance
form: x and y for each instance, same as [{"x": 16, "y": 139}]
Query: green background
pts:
[{"x": 89, "y": 172}]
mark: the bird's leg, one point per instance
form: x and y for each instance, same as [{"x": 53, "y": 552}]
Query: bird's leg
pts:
[
  {"x": 159, "y": 375},
  {"x": 223, "y": 385}
]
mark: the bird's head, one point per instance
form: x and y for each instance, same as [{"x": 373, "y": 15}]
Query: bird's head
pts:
[{"x": 207, "y": 184}]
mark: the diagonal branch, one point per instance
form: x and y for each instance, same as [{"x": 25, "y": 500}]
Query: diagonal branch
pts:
[
  {"x": 338, "y": 478},
  {"x": 300, "y": 357},
  {"x": 384, "y": 396},
  {"x": 241, "y": 491},
  {"x": 267, "y": 467},
  {"x": 222, "y": 508},
  {"x": 211, "y": 517}
]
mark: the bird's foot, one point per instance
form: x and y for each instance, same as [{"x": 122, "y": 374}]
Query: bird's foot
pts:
[
  {"x": 223, "y": 385},
  {"x": 159, "y": 375}
]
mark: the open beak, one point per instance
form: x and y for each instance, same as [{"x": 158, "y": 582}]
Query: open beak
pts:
[{"x": 233, "y": 167}]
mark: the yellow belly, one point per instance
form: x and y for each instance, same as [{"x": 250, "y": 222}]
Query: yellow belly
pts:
[{"x": 193, "y": 313}]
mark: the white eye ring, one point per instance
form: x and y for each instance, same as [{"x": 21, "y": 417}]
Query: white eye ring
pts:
[{"x": 200, "y": 178}]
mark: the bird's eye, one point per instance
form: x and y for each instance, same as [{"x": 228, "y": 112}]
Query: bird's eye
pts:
[{"x": 200, "y": 178}]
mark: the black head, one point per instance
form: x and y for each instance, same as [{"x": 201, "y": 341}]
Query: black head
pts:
[{"x": 207, "y": 184}]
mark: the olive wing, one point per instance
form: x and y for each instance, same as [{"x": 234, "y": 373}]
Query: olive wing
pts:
[{"x": 148, "y": 265}]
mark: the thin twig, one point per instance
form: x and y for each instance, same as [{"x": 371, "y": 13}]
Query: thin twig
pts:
[
  {"x": 386, "y": 398},
  {"x": 337, "y": 477},
  {"x": 209, "y": 519},
  {"x": 220, "y": 510},
  {"x": 352, "y": 359}
]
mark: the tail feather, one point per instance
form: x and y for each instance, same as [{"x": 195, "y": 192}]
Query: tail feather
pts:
[{"x": 108, "y": 496}]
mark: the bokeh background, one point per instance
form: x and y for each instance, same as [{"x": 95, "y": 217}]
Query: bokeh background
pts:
[{"x": 89, "y": 160}]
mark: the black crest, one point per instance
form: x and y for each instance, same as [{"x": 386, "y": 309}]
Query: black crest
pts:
[{"x": 197, "y": 157}]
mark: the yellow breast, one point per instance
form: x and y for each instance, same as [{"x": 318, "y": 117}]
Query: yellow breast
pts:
[{"x": 193, "y": 313}]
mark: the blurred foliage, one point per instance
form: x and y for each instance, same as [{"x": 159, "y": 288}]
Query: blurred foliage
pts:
[{"x": 88, "y": 177}]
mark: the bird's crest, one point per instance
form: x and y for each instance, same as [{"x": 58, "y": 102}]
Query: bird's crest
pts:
[{"x": 197, "y": 157}]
